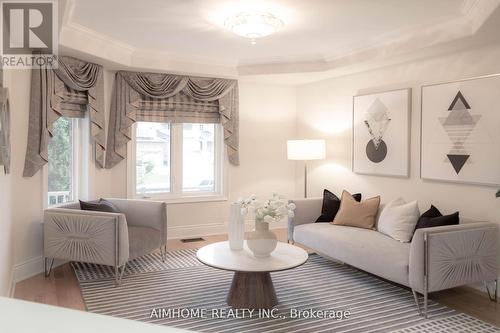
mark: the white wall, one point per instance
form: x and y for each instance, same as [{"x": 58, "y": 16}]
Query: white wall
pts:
[
  {"x": 267, "y": 119},
  {"x": 6, "y": 248},
  {"x": 6, "y": 243},
  {"x": 6, "y": 256},
  {"x": 324, "y": 110},
  {"x": 26, "y": 202}
]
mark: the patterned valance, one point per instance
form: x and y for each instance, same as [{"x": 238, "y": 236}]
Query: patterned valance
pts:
[
  {"x": 159, "y": 97},
  {"x": 4, "y": 128},
  {"x": 72, "y": 89}
]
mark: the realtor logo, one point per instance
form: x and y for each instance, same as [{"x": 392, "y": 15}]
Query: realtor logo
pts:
[{"x": 29, "y": 34}]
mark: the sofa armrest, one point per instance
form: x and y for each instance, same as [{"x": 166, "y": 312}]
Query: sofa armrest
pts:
[
  {"x": 452, "y": 256},
  {"x": 307, "y": 211},
  {"x": 86, "y": 236},
  {"x": 144, "y": 213}
]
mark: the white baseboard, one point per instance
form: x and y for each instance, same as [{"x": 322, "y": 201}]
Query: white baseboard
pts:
[
  {"x": 28, "y": 268},
  {"x": 31, "y": 267},
  {"x": 191, "y": 231},
  {"x": 12, "y": 285}
]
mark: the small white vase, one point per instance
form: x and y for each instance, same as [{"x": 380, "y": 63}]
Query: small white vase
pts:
[
  {"x": 262, "y": 241},
  {"x": 236, "y": 228}
]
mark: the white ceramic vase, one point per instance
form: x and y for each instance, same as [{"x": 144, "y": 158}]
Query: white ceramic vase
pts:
[
  {"x": 262, "y": 241},
  {"x": 236, "y": 228}
]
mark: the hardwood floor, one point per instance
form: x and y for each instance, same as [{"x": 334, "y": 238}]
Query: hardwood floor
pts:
[{"x": 61, "y": 287}]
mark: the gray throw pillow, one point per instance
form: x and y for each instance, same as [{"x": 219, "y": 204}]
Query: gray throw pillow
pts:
[{"x": 99, "y": 206}]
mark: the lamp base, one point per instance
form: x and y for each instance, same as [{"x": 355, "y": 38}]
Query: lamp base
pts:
[{"x": 305, "y": 179}]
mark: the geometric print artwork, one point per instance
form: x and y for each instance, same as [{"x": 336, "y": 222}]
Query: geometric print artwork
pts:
[
  {"x": 459, "y": 139},
  {"x": 376, "y": 121},
  {"x": 381, "y": 133},
  {"x": 458, "y": 125}
]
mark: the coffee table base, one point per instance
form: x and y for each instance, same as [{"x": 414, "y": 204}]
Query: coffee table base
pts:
[{"x": 252, "y": 290}]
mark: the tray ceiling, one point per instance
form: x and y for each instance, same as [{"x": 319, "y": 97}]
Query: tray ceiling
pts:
[{"x": 318, "y": 34}]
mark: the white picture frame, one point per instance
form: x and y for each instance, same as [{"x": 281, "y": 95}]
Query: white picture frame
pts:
[
  {"x": 460, "y": 136},
  {"x": 381, "y": 133}
]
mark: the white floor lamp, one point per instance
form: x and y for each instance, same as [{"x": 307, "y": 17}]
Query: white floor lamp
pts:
[{"x": 306, "y": 150}]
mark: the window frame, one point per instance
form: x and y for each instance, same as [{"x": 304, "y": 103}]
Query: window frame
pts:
[
  {"x": 176, "y": 194},
  {"x": 77, "y": 144}
]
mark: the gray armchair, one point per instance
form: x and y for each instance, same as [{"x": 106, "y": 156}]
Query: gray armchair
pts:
[{"x": 105, "y": 238}]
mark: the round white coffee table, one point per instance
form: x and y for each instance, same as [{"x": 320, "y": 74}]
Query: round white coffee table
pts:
[{"x": 252, "y": 287}]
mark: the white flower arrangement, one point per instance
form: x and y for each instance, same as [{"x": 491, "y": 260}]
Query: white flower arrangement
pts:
[{"x": 272, "y": 210}]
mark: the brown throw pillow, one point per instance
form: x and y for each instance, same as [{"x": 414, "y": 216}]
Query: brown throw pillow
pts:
[{"x": 357, "y": 214}]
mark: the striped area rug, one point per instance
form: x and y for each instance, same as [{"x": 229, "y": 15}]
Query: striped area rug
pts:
[{"x": 187, "y": 294}]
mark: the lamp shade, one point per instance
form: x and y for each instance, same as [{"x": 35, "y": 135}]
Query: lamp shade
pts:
[{"x": 305, "y": 150}]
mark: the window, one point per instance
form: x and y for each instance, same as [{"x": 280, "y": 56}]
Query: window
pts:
[
  {"x": 62, "y": 163},
  {"x": 152, "y": 167},
  {"x": 198, "y": 157},
  {"x": 177, "y": 160}
]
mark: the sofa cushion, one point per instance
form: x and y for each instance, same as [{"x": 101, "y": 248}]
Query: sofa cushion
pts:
[
  {"x": 434, "y": 218},
  {"x": 331, "y": 205},
  {"x": 98, "y": 206},
  {"x": 365, "y": 249},
  {"x": 357, "y": 214},
  {"x": 142, "y": 240},
  {"x": 398, "y": 219}
]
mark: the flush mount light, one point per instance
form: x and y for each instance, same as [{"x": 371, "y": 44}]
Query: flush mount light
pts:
[{"x": 253, "y": 26}]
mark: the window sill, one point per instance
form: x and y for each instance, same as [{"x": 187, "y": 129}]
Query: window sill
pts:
[{"x": 185, "y": 199}]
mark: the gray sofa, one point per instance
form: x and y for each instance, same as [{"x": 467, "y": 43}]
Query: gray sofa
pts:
[
  {"x": 436, "y": 259},
  {"x": 105, "y": 238}
]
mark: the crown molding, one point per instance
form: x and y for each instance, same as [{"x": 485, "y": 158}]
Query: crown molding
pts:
[
  {"x": 78, "y": 39},
  {"x": 478, "y": 11},
  {"x": 162, "y": 61},
  {"x": 81, "y": 40},
  {"x": 395, "y": 44}
]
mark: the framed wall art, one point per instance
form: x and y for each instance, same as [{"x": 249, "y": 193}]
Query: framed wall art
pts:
[
  {"x": 381, "y": 133},
  {"x": 460, "y": 140}
]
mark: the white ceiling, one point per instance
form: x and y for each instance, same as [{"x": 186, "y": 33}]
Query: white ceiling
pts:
[{"x": 318, "y": 35}]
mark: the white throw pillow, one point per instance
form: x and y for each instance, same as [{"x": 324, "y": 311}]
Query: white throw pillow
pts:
[{"x": 398, "y": 220}]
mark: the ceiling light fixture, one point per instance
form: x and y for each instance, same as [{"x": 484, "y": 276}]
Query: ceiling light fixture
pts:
[{"x": 253, "y": 26}]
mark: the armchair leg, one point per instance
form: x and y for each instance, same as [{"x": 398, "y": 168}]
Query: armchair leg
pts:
[
  {"x": 422, "y": 312},
  {"x": 415, "y": 297},
  {"x": 48, "y": 269},
  {"x": 492, "y": 295},
  {"x": 163, "y": 252},
  {"x": 426, "y": 301},
  {"x": 119, "y": 274}
]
